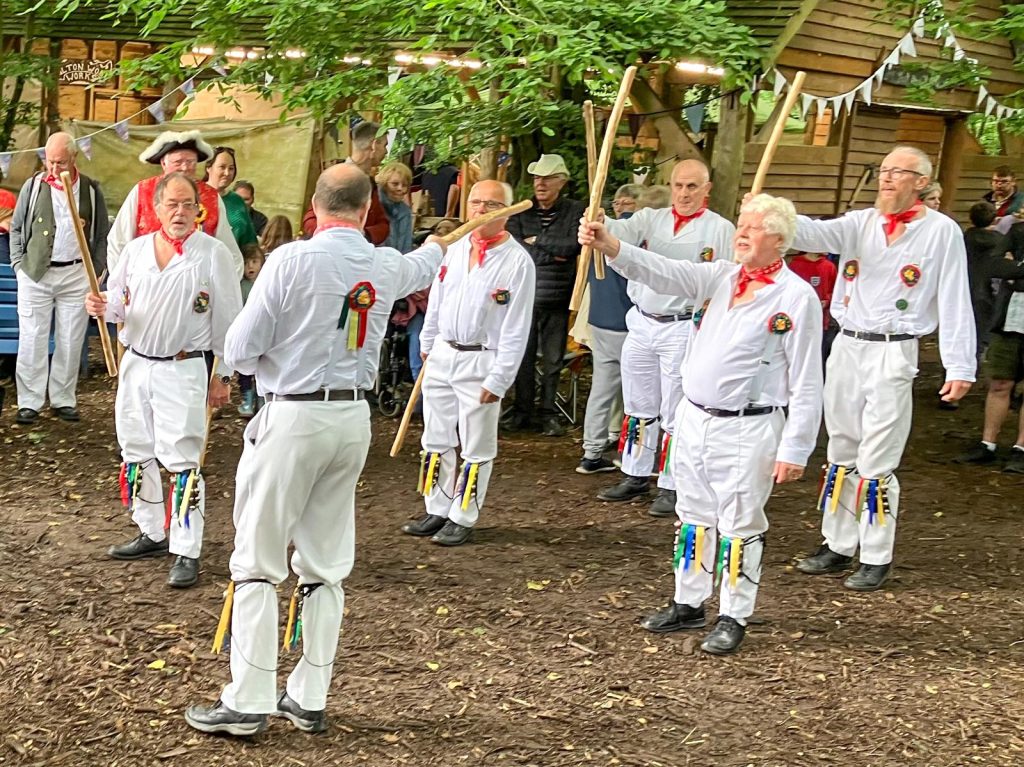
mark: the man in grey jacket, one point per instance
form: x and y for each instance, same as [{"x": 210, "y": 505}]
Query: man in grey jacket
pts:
[{"x": 52, "y": 281}]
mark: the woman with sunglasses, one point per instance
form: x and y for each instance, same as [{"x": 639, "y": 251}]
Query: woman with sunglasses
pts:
[{"x": 221, "y": 171}]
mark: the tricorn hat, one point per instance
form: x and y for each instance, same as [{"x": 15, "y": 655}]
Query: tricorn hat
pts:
[{"x": 170, "y": 141}]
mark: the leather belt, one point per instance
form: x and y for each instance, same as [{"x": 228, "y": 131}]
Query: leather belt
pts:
[
  {"x": 174, "y": 357},
  {"x": 59, "y": 264},
  {"x": 666, "y": 317},
  {"x": 323, "y": 395},
  {"x": 860, "y": 335},
  {"x": 466, "y": 347},
  {"x": 719, "y": 413}
]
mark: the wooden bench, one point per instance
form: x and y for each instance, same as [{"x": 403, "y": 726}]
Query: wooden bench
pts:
[{"x": 8, "y": 310}]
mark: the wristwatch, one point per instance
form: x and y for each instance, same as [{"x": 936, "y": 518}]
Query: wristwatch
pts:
[{"x": 225, "y": 379}]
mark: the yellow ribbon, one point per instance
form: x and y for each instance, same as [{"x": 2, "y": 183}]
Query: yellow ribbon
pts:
[
  {"x": 225, "y": 618},
  {"x": 353, "y": 330},
  {"x": 837, "y": 488},
  {"x": 428, "y": 485},
  {"x": 420, "y": 477},
  {"x": 734, "y": 561},
  {"x": 698, "y": 547},
  {"x": 467, "y": 491},
  {"x": 291, "y": 618},
  {"x": 187, "y": 496},
  {"x": 881, "y": 503}
]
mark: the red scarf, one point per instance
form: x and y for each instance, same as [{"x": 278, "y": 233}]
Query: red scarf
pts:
[
  {"x": 178, "y": 245},
  {"x": 336, "y": 225},
  {"x": 892, "y": 220},
  {"x": 682, "y": 219},
  {"x": 54, "y": 181},
  {"x": 481, "y": 244},
  {"x": 761, "y": 274}
]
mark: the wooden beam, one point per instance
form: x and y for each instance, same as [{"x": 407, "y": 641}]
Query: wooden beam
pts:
[
  {"x": 952, "y": 160},
  {"x": 674, "y": 140},
  {"x": 727, "y": 163}
]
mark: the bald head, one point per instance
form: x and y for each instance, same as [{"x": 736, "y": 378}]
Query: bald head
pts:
[
  {"x": 691, "y": 184},
  {"x": 342, "y": 191},
  {"x": 61, "y": 152}
]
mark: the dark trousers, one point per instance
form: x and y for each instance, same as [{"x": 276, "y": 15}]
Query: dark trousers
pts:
[{"x": 548, "y": 333}]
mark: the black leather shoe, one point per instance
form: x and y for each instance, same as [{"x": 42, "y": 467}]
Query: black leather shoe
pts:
[
  {"x": 26, "y": 416},
  {"x": 307, "y": 721},
  {"x": 979, "y": 454},
  {"x": 675, "y": 617},
  {"x": 824, "y": 561},
  {"x": 515, "y": 422},
  {"x": 867, "y": 578},
  {"x": 139, "y": 548},
  {"x": 725, "y": 637},
  {"x": 452, "y": 534},
  {"x": 220, "y": 718},
  {"x": 553, "y": 427},
  {"x": 426, "y": 525},
  {"x": 184, "y": 573},
  {"x": 628, "y": 489},
  {"x": 66, "y": 413},
  {"x": 664, "y": 505}
]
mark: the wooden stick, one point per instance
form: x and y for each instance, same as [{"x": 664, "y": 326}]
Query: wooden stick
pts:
[
  {"x": 94, "y": 285},
  {"x": 209, "y": 414},
  {"x": 597, "y": 188},
  {"x": 486, "y": 218},
  {"x": 403, "y": 427},
  {"x": 776, "y": 137},
  {"x": 591, "y": 130},
  {"x": 865, "y": 177}
]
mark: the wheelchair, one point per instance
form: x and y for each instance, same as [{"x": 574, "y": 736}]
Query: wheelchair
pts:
[{"x": 394, "y": 376}]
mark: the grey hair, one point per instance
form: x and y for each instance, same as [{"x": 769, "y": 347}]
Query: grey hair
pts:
[
  {"x": 632, "y": 191},
  {"x": 924, "y": 162},
  {"x": 161, "y": 185},
  {"x": 934, "y": 186},
  {"x": 67, "y": 139},
  {"x": 779, "y": 216}
]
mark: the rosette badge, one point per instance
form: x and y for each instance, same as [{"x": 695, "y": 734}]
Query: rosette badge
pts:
[{"x": 358, "y": 302}]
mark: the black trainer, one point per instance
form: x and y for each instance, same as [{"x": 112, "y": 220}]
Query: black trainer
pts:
[
  {"x": 725, "y": 637},
  {"x": 426, "y": 525},
  {"x": 664, "y": 505},
  {"x": 67, "y": 413},
  {"x": 675, "y": 617},
  {"x": 824, "y": 561},
  {"x": 1015, "y": 463},
  {"x": 553, "y": 427},
  {"x": 868, "y": 578},
  {"x": 977, "y": 454},
  {"x": 184, "y": 573},
  {"x": 595, "y": 465},
  {"x": 307, "y": 721},
  {"x": 139, "y": 548},
  {"x": 26, "y": 416},
  {"x": 220, "y": 718},
  {"x": 628, "y": 489},
  {"x": 452, "y": 534}
]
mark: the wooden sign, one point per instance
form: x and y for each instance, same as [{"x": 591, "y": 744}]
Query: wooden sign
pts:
[{"x": 85, "y": 71}]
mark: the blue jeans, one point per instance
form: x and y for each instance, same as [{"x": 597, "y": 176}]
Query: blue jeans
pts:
[{"x": 413, "y": 329}]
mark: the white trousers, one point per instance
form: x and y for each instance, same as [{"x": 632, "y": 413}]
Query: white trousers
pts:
[
  {"x": 652, "y": 387},
  {"x": 296, "y": 483},
  {"x": 160, "y": 417},
  {"x": 605, "y": 390},
  {"x": 452, "y": 413},
  {"x": 868, "y": 410},
  {"x": 60, "y": 293},
  {"x": 723, "y": 467}
]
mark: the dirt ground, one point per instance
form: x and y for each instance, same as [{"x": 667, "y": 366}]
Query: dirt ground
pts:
[{"x": 522, "y": 648}]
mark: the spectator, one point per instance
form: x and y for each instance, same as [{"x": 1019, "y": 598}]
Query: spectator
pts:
[
  {"x": 821, "y": 274},
  {"x": 548, "y": 232},
  {"x": 1005, "y": 195},
  {"x": 443, "y": 188},
  {"x": 393, "y": 182},
  {"x": 7, "y": 204},
  {"x": 247, "y": 192},
  {"x": 986, "y": 252},
  {"x": 367, "y": 151},
  {"x": 626, "y": 199},
  {"x": 51, "y": 280},
  {"x": 277, "y": 232},
  {"x": 931, "y": 195},
  {"x": 247, "y": 383},
  {"x": 656, "y": 197},
  {"x": 220, "y": 172}
]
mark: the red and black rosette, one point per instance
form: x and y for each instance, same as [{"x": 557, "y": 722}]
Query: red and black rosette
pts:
[
  {"x": 910, "y": 275},
  {"x": 707, "y": 255},
  {"x": 501, "y": 296},
  {"x": 358, "y": 303},
  {"x": 850, "y": 271},
  {"x": 780, "y": 323}
]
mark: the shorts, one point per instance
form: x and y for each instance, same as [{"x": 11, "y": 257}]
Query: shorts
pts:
[{"x": 1004, "y": 358}]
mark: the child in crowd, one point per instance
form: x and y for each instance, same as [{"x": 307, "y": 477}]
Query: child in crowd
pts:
[
  {"x": 820, "y": 273},
  {"x": 247, "y": 384}
]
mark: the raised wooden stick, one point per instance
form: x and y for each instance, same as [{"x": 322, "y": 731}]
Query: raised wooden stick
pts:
[
  {"x": 597, "y": 187},
  {"x": 94, "y": 284},
  {"x": 403, "y": 427},
  {"x": 209, "y": 414},
  {"x": 591, "y": 130},
  {"x": 776, "y": 137}
]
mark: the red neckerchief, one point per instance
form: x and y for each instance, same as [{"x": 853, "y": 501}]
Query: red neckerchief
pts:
[
  {"x": 761, "y": 274},
  {"x": 892, "y": 220},
  {"x": 482, "y": 244},
  {"x": 336, "y": 225},
  {"x": 178, "y": 245},
  {"x": 54, "y": 181},
  {"x": 682, "y": 219}
]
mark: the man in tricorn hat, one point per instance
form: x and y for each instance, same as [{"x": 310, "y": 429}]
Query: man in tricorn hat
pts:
[{"x": 172, "y": 151}]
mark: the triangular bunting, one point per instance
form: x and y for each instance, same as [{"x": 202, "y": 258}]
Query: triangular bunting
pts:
[
  {"x": 780, "y": 83},
  {"x": 907, "y": 45},
  {"x": 805, "y": 104},
  {"x": 865, "y": 91},
  {"x": 695, "y": 116},
  {"x": 635, "y": 121},
  {"x": 982, "y": 93},
  {"x": 848, "y": 100},
  {"x": 5, "y": 163},
  {"x": 990, "y": 104},
  {"x": 837, "y": 105},
  {"x": 918, "y": 28},
  {"x": 879, "y": 74},
  {"x": 267, "y": 79},
  {"x": 189, "y": 86},
  {"x": 820, "y": 106},
  {"x": 121, "y": 129},
  {"x": 85, "y": 144},
  {"x": 893, "y": 59},
  {"x": 157, "y": 110},
  {"x": 41, "y": 154}
]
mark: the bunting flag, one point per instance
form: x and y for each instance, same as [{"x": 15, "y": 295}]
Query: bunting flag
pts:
[
  {"x": 220, "y": 70},
  {"x": 157, "y": 110},
  {"x": 982, "y": 94},
  {"x": 503, "y": 159},
  {"x": 267, "y": 79},
  {"x": 41, "y": 154},
  {"x": 780, "y": 83},
  {"x": 85, "y": 144},
  {"x": 635, "y": 121},
  {"x": 121, "y": 129},
  {"x": 5, "y": 163},
  {"x": 805, "y": 104},
  {"x": 189, "y": 86},
  {"x": 695, "y": 116}
]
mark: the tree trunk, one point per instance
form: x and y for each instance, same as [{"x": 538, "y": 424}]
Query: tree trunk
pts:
[
  {"x": 52, "y": 105},
  {"x": 727, "y": 163}
]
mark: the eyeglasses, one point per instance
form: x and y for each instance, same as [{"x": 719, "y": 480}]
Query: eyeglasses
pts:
[
  {"x": 185, "y": 206},
  {"x": 486, "y": 204},
  {"x": 897, "y": 173}
]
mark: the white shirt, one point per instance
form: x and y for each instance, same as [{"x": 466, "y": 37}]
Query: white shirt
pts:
[
  {"x": 65, "y": 243},
  {"x": 186, "y": 307},
  {"x": 726, "y": 352},
  {"x": 914, "y": 285},
  {"x": 123, "y": 231},
  {"x": 706, "y": 238},
  {"x": 288, "y": 334},
  {"x": 464, "y": 306}
]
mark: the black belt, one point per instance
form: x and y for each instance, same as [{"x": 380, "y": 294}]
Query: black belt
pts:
[
  {"x": 174, "y": 357},
  {"x": 666, "y": 317},
  {"x": 860, "y": 335},
  {"x": 324, "y": 395},
  {"x": 719, "y": 413},
  {"x": 466, "y": 347},
  {"x": 65, "y": 263}
]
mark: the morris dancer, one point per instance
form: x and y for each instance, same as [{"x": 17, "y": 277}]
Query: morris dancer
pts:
[
  {"x": 314, "y": 354},
  {"x": 176, "y": 293},
  {"x": 756, "y": 350},
  {"x": 658, "y": 331},
  {"x": 476, "y": 329},
  {"x": 180, "y": 152},
  {"x": 903, "y": 273}
]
